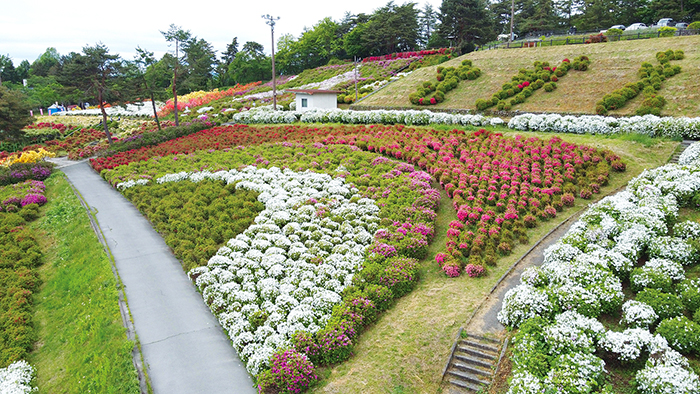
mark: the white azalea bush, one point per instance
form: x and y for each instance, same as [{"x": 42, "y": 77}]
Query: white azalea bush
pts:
[
  {"x": 16, "y": 378},
  {"x": 650, "y": 125},
  {"x": 408, "y": 117},
  {"x": 636, "y": 314},
  {"x": 667, "y": 372},
  {"x": 583, "y": 274}
]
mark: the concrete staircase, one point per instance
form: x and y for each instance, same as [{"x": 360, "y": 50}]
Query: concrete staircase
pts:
[
  {"x": 473, "y": 364},
  {"x": 681, "y": 148}
]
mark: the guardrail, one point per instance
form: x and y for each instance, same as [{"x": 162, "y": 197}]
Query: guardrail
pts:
[{"x": 552, "y": 41}]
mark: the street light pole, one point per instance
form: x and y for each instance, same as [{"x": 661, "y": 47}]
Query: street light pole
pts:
[{"x": 271, "y": 20}]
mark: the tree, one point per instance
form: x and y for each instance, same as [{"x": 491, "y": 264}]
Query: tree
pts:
[
  {"x": 251, "y": 64},
  {"x": 393, "y": 28},
  {"x": 46, "y": 63},
  {"x": 222, "y": 65},
  {"x": 466, "y": 21},
  {"x": 175, "y": 35},
  {"x": 538, "y": 16},
  {"x": 99, "y": 72},
  {"x": 596, "y": 14},
  {"x": 354, "y": 42},
  {"x": 7, "y": 70},
  {"x": 200, "y": 58},
  {"x": 14, "y": 113},
  {"x": 428, "y": 20},
  {"x": 145, "y": 74},
  {"x": 43, "y": 91}
]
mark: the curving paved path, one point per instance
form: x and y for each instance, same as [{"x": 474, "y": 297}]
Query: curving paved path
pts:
[{"x": 184, "y": 347}]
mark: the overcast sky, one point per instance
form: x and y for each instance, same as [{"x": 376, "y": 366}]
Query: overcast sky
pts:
[{"x": 27, "y": 28}]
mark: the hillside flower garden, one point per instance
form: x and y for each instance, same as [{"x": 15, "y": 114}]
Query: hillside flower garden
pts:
[
  {"x": 632, "y": 237},
  {"x": 346, "y": 213}
]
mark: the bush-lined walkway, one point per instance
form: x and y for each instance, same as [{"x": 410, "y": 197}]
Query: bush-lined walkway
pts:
[{"x": 184, "y": 348}]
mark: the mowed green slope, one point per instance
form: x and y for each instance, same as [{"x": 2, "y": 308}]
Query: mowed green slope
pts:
[{"x": 613, "y": 64}]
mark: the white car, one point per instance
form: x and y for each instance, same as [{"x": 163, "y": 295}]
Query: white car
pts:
[
  {"x": 621, "y": 27},
  {"x": 636, "y": 26}
]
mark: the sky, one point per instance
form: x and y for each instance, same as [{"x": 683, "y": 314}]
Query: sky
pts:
[{"x": 28, "y": 28}]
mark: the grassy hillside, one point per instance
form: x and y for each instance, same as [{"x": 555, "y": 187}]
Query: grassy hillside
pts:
[{"x": 613, "y": 64}]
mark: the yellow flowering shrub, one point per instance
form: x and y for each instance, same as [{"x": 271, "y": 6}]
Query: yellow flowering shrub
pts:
[{"x": 30, "y": 156}]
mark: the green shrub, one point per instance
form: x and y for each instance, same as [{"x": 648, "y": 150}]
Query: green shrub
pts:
[
  {"x": 641, "y": 278},
  {"x": 689, "y": 291},
  {"x": 614, "y": 32},
  {"x": 665, "y": 305},
  {"x": 667, "y": 31},
  {"x": 681, "y": 333}
]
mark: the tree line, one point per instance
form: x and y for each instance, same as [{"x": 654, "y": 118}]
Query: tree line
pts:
[{"x": 193, "y": 64}]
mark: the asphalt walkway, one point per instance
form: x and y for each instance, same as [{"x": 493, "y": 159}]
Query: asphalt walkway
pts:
[{"x": 184, "y": 347}]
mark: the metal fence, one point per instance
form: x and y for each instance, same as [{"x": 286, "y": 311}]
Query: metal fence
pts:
[{"x": 592, "y": 38}]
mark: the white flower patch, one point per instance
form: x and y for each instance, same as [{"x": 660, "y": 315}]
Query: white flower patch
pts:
[
  {"x": 690, "y": 155},
  {"x": 627, "y": 345},
  {"x": 523, "y": 302},
  {"x": 523, "y": 382},
  {"x": 687, "y": 230},
  {"x": 573, "y": 332},
  {"x": 637, "y": 314},
  {"x": 287, "y": 269},
  {"x": 132, "y": 183},
  {"x": 647, "y": 125},
  {"x": 576, "y": 372},
  {"x": 584, "y": 269},
  {"x": 667, "y": 373},
  {"x": 672, "y": 248},
  {"x": 672, "y": 269},
  {"x": 16, "y": 378}
]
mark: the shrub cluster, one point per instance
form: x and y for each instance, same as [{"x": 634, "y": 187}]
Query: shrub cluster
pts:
[
  {"x": 196, "y": 218},
  {"x": 431, "y": 93},
  {"x": 650, "y": 79},
  {"x": 526, "y": 82},
  {"x": 19, "y": 256},
  {"x": 21, "y": 172}
]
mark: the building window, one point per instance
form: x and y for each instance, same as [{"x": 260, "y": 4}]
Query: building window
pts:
[{"x": 304, "y": 103}]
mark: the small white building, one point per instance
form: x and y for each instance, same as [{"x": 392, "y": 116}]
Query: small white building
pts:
[{"x": 307, "y": 99}]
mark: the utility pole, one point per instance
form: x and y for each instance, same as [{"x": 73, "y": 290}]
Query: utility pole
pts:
[
  {"x": 271, "y": 20},
  {"x": 355, "y": 78},
  {"x": 512, "y": 13}
]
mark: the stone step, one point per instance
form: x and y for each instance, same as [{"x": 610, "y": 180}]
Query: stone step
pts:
[
  {"x": 473, "y": 361},
  {"x": 480, "y": 346},
  {"x": 475, "y": 352},
  {"x": 467, "y": 377},
  {"x": 479, "y": 337},
  {"x": 465, "y": 385},
  {"x": 472, "y": 370}
]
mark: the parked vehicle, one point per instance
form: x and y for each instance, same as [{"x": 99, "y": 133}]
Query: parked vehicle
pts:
[
  {"x": 621, "y": 27},
  {"x": 666, "y": 22},
  {"x": 636, "y": 26},
  {"x": 681, "y": 25}
]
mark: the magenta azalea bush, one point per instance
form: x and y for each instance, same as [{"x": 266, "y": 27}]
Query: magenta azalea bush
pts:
[
  {"x": 290, "y": 372},
  {"x": 474, "y": 271}
]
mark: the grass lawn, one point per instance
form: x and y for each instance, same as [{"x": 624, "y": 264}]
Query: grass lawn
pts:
[
  {"x": 82, "y": 345},
  {"x": 613, "y": 64}
]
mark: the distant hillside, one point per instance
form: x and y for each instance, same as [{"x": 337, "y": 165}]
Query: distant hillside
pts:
[{"x": 612, "y": 65}]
